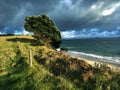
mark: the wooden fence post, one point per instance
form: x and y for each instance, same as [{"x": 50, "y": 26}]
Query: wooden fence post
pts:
[{"x": 30, "y": 57}]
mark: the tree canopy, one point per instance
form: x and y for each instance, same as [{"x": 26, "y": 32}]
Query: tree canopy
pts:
[{"x": 44, "y": 29}]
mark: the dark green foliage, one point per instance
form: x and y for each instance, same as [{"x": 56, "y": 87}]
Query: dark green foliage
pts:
[
  {"x": 59, "y": 67},
  {"x": 64, "y": 49},
  {"x": 44, "y": 30}
]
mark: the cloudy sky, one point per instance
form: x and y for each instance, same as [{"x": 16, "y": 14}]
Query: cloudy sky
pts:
[{"x": 75, "y": 18}]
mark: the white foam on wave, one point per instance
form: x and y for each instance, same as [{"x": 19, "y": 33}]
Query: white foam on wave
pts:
[{"x": 115, "y": 60}]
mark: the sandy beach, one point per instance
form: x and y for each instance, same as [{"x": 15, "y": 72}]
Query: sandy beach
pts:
[
  {"x": 92, "y": 62},
  {"x": 113, "y": 66}
]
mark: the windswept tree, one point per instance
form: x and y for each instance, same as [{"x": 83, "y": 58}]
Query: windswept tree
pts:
[{"x": 44, "y": 29}]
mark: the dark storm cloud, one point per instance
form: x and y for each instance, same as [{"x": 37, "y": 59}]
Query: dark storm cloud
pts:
[
  {"x": 87, "y": 13},
  {"x": 70, "y": 15},
  {"x": 13, "y": 12}
]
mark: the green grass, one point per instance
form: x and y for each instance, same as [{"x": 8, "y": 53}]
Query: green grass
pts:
[
  {"x": 15, "y": 72},
  {"x": 51, "y": 70}
]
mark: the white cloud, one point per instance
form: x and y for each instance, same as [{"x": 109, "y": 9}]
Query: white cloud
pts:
[
  {"x": 97, "y": 6},
  {"x": 85, "y": 33},
  {"x": 26, "y": 32},
  {"x": 93, "y": 6},
  {"x": 68, "y": 34},
  {"x": 111, "y": 10},
  {"x": 17, "y": 33},
  {"x": 108, "y": 12}
]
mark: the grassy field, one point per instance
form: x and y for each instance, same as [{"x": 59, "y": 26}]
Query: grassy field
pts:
[
  {"x": 51, "y": 70},
  {"x": 15, "y": 71}
]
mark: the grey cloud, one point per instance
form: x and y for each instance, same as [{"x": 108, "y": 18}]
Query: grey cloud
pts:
[
  {"x": 67, "y": 14},
  {"x": 12, "y": 13},
  {"x": 80, "y": 14}
]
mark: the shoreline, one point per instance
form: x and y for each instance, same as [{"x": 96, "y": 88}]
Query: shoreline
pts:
[
  {"x": 113, "y": 66},
  {"x": 92, "y": 62}
]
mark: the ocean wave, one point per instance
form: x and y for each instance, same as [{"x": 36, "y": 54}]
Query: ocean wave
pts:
[{"x": 114, "y": 60}]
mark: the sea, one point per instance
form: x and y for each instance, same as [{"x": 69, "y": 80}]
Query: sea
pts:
[{"x": 99, "y": 49}]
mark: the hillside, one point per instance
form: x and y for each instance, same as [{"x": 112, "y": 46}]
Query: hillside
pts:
[{"x": 50, "y": 70}]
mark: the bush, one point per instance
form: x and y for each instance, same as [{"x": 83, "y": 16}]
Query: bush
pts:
[{"x": 64, "y": 49}]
